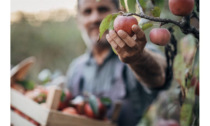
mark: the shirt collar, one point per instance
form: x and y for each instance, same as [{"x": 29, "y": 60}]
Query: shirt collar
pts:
[{"x": 91, "y": 60}]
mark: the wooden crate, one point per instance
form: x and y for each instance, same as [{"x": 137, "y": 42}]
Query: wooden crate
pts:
[{"x": 47, "y": 116}]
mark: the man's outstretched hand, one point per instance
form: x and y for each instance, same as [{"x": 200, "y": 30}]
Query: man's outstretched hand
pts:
[
  {"x": 129, "y": 49},
  {"x": 149, "y": 67}
]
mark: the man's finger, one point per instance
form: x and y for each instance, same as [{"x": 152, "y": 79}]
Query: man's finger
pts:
[
  {"x": 138, "y": 31},
  {"x": 115, "y": 37},
  {"x": 111, "y": 42},
  {"x": 126, "y": 38}
]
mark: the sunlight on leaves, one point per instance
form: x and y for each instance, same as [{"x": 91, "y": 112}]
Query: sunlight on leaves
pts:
[{"x": 146, "y": 26}]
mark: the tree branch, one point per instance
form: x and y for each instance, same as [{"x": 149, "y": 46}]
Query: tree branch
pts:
[
  {"x": 197, "y": 5},
  {"x": 183, "y": 25},
  {"x": 194, "y": 15}
]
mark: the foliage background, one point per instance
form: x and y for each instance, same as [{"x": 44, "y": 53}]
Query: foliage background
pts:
[{"x": 51, "y": 36}]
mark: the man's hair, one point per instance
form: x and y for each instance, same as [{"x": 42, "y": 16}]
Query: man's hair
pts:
[{"x": 116, "y": 3}]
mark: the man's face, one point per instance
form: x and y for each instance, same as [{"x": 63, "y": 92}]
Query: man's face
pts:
[{"x": 90, "y": 15}]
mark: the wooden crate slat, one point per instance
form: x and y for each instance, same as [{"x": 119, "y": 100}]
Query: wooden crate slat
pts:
[
  {"x": 47, "y": 117},
  {"x": 53, "y": 98},
  {"x": 29, "y": 107},
  {"x": 17, "y": 120},
  {"x": 59, "y": 119}
]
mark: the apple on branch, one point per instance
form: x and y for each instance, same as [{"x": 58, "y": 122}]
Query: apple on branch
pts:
[
  {"x": 125, "y": 23},
  {"x": 181, "y": 7},
  {"x": 160, "y": 36}
]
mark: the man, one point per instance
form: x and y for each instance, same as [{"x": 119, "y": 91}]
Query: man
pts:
[{"x": 134, "y": 76}]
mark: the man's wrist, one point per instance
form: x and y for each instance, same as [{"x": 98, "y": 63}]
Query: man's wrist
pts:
[{"x": 141, "y": 58}]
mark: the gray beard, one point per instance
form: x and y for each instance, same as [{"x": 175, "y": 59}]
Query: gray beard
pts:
[
  {"x": 103, "y": 44},
  {"x": 91, "y": 43}
]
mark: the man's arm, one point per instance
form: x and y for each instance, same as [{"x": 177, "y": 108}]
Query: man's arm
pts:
[{"x": 149, "y": 67}]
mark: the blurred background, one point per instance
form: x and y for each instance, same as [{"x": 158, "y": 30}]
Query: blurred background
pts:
[{"x": 46, "y": 29}]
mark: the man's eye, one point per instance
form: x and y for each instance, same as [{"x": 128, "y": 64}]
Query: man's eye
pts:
[
  {"x": 103, "y": 9},
  {"x": 87, "y": 12}
]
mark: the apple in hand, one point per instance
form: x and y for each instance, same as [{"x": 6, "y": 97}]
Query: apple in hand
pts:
[
  {"x": 160, "y": 36},
  {"x": 125, "y": 23}
]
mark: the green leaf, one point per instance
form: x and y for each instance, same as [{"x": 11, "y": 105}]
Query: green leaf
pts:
[
  {"x": 196, "y": 64},
  {"x": 131, "y": 6},
  {"x": 63, "y": 95},
  {"x": 187, "y": 108},
  {"x": 159, "y": 3},
  {"x": 28, "y": 85},
  {"x": 179, "y": 69},
  {"x": 146, "y": 26},
  {"x": 93, "y": 104},
  {"x": 114, "y": 51},
  {"x": 122, "y": 2},
  {"x": 106, "y": 101},
  {"x": 107, "y": 23},
  {"x": 188, "y": 48},
  {"x": 156, "y": 11},
  {"x": 190, "y": 95},
  {"x": 186, "y": 114},
  {"x": 143, "y": 3}
]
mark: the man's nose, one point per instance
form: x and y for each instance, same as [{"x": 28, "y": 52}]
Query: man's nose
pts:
[{"x": 96, "y": 17}]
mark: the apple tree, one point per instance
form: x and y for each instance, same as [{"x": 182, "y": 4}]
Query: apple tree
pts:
[{"x": 173, "y": 25}]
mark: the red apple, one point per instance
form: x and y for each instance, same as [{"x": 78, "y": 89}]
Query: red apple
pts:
[
  {"x": 88, "y": 111},
  {"x": 125, "y": 23},
  {"x": 70, "y": 110},
  {"x": 181, "y": 7},
  {"x": 102, "y": 110},
  {"x": 18, "y": 87},
  {"x": 39, "y": 94},
  {"x": 65, "y": 98},
  {"x": 160, "y": 36},
  {"x": 80, "y": 107}
]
